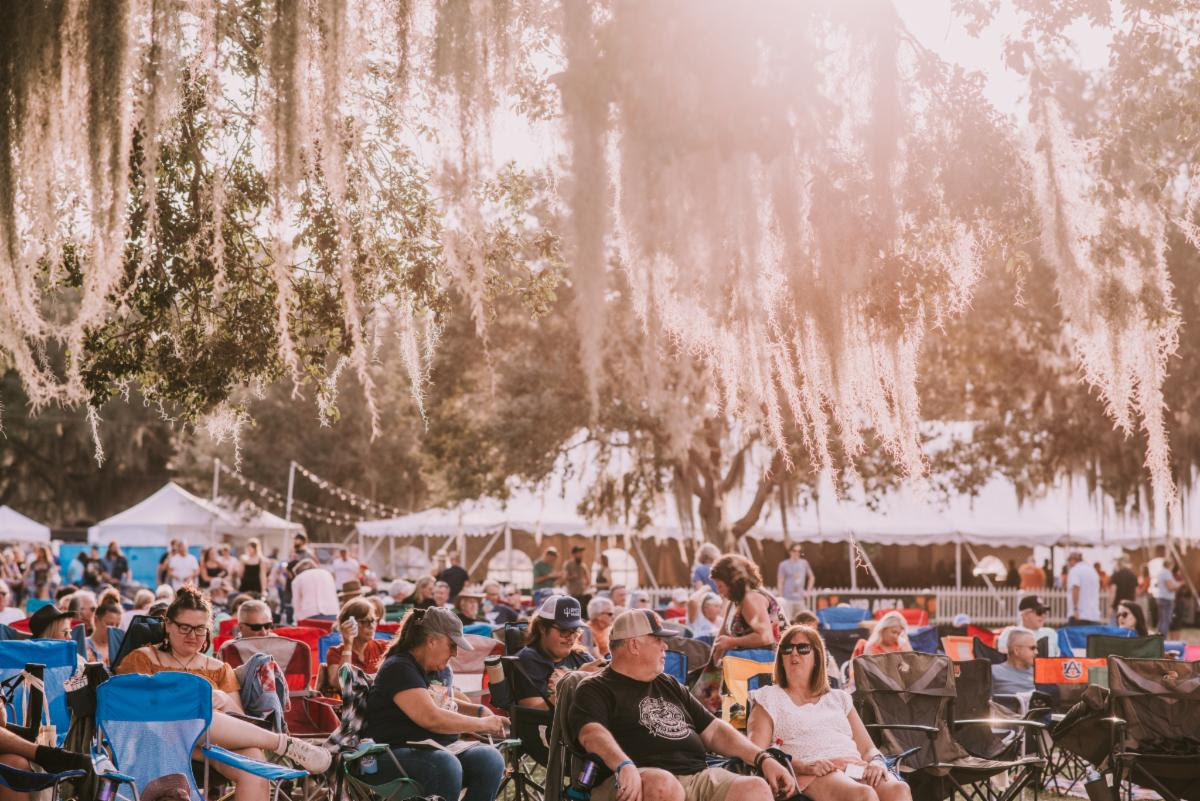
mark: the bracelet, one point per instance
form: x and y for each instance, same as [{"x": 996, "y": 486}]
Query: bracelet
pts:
[
  {"x": 479, "y": 711},
  {"x": 617, "y": 769},
  {"x": 758, "y": 760},
  {"x": 882, "y": 759}
]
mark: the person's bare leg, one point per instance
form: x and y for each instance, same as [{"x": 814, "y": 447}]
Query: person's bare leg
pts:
[
  {"x": 837, "y": 786},
  {"x": 229, "y": 732},
  {"x": 893, "y": 790},
  {"x": 246, "y": 786},
  {"x": 14, "y": 761}
]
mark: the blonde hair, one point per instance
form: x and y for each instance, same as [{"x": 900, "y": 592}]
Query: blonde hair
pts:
[{"x": 890, "y": 620}]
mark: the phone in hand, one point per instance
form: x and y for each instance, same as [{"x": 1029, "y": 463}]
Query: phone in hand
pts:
[{"x": 855, "y": 771}]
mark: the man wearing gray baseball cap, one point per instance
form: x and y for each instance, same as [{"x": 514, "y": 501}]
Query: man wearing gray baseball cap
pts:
[
  {"x": 631, "y": 709},
  {"x": 411, "y": 707}
]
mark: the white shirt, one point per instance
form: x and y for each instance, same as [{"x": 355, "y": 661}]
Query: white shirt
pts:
[
  {"x": 11, "y": 614},
  {"x": 820, "y": 730},
  {"x": 314, "y": 593},
  {"x": 1162, "y": 585},
  {"x": 344, "y": 570},
  {"x": 1084, "y": 577},
  {"x": 181, "y": 567}
]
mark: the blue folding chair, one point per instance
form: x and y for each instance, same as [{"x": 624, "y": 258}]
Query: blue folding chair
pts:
[
  {"x": 1072, "y": 640},
  {"x": 925, "y": 639},
  {"x": 150, "y": 725},
  {"x": 675, "y": 665},
  {"x": 59, "y": 658},
  {"x": 842, "y": 617}
]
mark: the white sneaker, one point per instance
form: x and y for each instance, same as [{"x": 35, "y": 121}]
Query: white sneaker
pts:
[{"x": 309, "y": 756}]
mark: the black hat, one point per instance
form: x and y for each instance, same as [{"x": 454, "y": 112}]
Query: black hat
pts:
[
  {"x": 43, "y": 618},
  {"x": 562, "y": 610},
  {"x": 1033, "y": 602}
]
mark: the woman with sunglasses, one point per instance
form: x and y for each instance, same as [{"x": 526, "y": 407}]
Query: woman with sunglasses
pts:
[
  {"x": 1130, "y": 616},
  {"x": 188, "y": 625},
  {"x": 832, "y": 754},
  {"x": 357, "y": 623}
]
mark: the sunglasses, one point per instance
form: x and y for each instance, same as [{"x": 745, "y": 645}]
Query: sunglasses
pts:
[
  {"x": 259, "y": 626},
  {"x": 367, "y": 621},
  {"x": 1123, "y": 613},
  {"x": 188, "y": 631},
  {"x": 800, "y": 648}
]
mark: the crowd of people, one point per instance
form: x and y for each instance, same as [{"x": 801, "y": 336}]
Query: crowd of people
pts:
[{"x": 648, "y": 733}]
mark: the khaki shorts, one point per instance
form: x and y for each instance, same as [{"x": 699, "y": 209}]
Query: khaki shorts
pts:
[{"x": 711, "y": 784}]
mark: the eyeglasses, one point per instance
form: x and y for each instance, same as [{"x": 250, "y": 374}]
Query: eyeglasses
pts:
[
  {"x": 1123, "y": 613},
  {"x": 258, "y": 626},
  {"x": 188, "y": 631},
  {"x": 801, "y": 648},
  {"x": 566, "y": 632}
]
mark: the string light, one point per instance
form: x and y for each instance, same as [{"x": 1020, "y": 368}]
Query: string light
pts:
[
  {"x": 309, "y": 511},
  {"x": 358, "y": 501}
]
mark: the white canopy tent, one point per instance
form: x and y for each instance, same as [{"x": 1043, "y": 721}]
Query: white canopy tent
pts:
[
  {"x": 16, "y": 527},
  {"x": 174, "y": 513}
]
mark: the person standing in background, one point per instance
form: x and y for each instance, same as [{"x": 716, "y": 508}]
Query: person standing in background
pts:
[
  {"x": 577, "y": 575},
  {"x": 544, "y": 574},
  {"x": 1083, "y": 591},
  {"x": 454, "y": 574},
  {"x": 1124, "y": 583},
  {"x": 603, "y": 580},
  {"x": 1033, "y": 579},
  {"x": 795, "y": 579},
  {"x": 702, "y": 570},
  {"x": 344, "y": 568},
  {"x": 1165, "y": 587}
]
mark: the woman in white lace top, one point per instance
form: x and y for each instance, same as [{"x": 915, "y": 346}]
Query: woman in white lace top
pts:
[{"x": 832, "y": 754}]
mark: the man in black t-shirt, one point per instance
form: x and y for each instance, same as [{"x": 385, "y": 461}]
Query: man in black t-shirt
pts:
[
  {"x": 1124, "y": 583},
  {"x": 632, "y": 708},
  {"x": 454, "y": 575}
]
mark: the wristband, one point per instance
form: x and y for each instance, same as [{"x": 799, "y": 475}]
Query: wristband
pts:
[
  {"x": 758, "y": 760},
  {"x": 479, "y": 711},
  {"x": 617, "y": 769},
  {"x": 880, "y": 757}
]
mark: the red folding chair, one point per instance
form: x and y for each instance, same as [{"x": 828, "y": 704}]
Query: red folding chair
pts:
[
  {"x": 317, "y": 623},
  {"x": 227, "y": 627},
  {"x": 913, "y": 617},
  {"x": 310, "y": 714},
  {"x": 986, "y": 636}
]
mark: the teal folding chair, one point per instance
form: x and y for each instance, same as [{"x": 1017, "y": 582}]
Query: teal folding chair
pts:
[
  {"x": 150, "y": 725},
  {"x": 59, "y": 660}
]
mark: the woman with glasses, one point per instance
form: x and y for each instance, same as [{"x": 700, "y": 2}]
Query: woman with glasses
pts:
[
  {"x": 1130, "y": 616},
  {"x": 832, "y": 754},
  {"x": 552, "y": 648},
  {"x": 357, "y": 623},
  {"x": 601, "y": 612},
  {"x": 188, "y": 625}
]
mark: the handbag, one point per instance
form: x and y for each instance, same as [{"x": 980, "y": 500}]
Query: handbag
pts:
[{"x": 47, "y": 732}]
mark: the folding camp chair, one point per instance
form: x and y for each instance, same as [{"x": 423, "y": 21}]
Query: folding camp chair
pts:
[
  {"x": 982, "y": 650},
  {"x": 142, "y": 630},
  {"x": 987, "y": 636},
  {"x": 1063, "y": 680},
  {"x": 843, "y": 618},
  {"x": 675, "y": 666},
  {"x": 1105, "y": 645},
  {"x": 840, "y": 643},
  {"x": 1072, "y": 640},
  {"x": 924, "y": 639},
  {"x": 741, "y": 671},
  {"x": 513, "y": 638},
  {"x": 529, "y": 741},
  {"x": 59, "y": 660},
  {"x": 1155, "y": 710},
  {"x": 906, "y": 701},
  {"x": 310, "y": 714},
  {"x": 150, "y": 725},
  {"x": 958, "y": 648},
  {"x": 29, "y": 781}
]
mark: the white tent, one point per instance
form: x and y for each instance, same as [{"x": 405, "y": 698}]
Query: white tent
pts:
[
  {"x": 16, "y": 527},
  {"x": 174, "y": 513}
]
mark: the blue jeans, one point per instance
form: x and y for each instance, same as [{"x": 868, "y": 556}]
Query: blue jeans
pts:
[
  {"x": 479, "y": 769},
  {"x": 1166, "y": 608}
]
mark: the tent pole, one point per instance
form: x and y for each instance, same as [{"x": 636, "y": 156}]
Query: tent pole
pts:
[
  {"x": 508, "y": 551},
  {"x": 216, "y": 478},
  {"x": 637, "y": 546},
  {"x": 871, "y": 568},
  {"x": 853, "y": 563},
  {"x": 287, "y": 515},
  {"x": 486, "y": 548},
  {"x": 391, "y": 555},
  {"x": 975, "y": 560},
  {"x": 958, "y": 562}
]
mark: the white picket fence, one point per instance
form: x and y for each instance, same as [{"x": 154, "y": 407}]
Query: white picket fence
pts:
[{"x": 982, "y": 606}]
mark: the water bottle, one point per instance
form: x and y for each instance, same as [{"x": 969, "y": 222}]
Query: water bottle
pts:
[
  {"x": 106, "y": 789},
  {"x": 581, "y": 788}
]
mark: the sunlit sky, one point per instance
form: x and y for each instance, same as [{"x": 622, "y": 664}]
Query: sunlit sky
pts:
[{"x": 936, "y": 27}]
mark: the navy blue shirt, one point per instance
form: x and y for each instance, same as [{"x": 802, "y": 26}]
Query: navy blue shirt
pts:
[
  {"x": 534, "y": 679},
  {"x": 386, "y": 722}
]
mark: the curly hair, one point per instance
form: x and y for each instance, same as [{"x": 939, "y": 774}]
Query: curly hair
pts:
[
  {"x": 188, "y": 598},
  {"x": 739, "y": 573}
]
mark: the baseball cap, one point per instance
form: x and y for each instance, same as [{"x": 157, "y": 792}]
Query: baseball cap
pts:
[
  {"x": 40, "y": 620},
  {"x": 639, "y": 622},
  {"x": 563, "y": 610},
  {"x": 1033, "y": 602},
  {"x": 444, "y": 621}
]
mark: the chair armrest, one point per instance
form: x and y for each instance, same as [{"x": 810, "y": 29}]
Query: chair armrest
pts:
[
  {"x": 1016, "y": 723},
  {"x": 895, "y": 759},
  {"x": 254, "y": 767},
  {"x": 364, "y": 750},
  {"x": 930, "y": 730}
]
